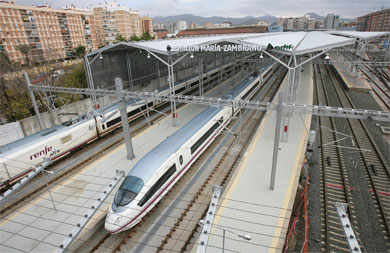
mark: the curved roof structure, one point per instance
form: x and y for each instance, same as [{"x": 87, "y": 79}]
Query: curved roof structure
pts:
[
  {"x": 360, "y": 35},
  {"x": 284, "y": 42}
]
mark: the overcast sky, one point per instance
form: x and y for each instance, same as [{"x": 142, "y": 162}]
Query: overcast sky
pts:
[{"x": 236, "y": 8}]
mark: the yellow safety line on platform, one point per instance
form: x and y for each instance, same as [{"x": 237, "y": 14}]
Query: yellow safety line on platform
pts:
[
  {"x": 245, "y": 161},
  {"x": 293, "y": 177}
]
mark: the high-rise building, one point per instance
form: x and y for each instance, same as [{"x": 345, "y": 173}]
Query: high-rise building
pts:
[
  {"x": 45, "y": 33},
  {"x": 311, "y": 24},
  {"x": 171, "y": 28},
  {"x": 112, "y": 20},
  {"x": 147, "y": 25},
  {"x": 376, "y": 21},
  {"x": 181, "y": 25},
  {"x": 159, "y": 26},
  {"x": 208, "y": 25},
  {"x": 193, "y": 26},
  {"x": 332, "y": 21}
]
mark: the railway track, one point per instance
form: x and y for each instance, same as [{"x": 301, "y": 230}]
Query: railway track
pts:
[
  {"x": 71, "y": 164},
  {"x": 367, "y": 161},
  {"x": 178, "y": 232},
  {"x": 380, "y": 87},
  {"x": 373, "y": 163},
  {"x": 335, "y": 185}
]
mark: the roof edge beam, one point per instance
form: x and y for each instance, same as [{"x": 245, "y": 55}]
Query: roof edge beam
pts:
[
  {"x": 158, "y": 58},
  {"x": 312, "y": 58},
  {"x": 276, "y": 59}
]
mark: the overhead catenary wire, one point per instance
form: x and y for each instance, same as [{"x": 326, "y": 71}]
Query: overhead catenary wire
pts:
[
  {"x": 174, "y": 217},
  {"x": 144, "y": 232},
  {"x": 88, "y": 207}
]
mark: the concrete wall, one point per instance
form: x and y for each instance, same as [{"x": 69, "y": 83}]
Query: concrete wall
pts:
[
  {"x": 30, "y": 125},
  {"x": 10, "y": 132}
]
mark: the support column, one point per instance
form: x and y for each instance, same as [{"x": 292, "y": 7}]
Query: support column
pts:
[
  {"x": 34, "y": 102},
  {"x": 91, "y": 85},
  {"x": 171, "y": 81},
  {"x": 129, "y": 72},
  {"x": 288, "y": 97},
  {"x": 279, "y": 111},
  {"x": 201, "y": 76},
  {"x": 125, "y": 122},
  {"x": 159, "y": 75},
  {"x": 387, "y": 54}
]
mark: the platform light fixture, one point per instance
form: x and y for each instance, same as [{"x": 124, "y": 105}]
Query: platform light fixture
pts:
[
  {"x": 192, "y": 56},
  {"x": 327, "y": 57}
]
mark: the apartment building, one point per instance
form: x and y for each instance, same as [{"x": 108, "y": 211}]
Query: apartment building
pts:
[
  {"x": 378, "y": 21},
  {"x": 332, "y": 21},
  {"x": 50, "y": 34},
  {"x": 147, "y": 25},
  {"x": 227, "y": 30},
  {"x": 112, "y": 20}
]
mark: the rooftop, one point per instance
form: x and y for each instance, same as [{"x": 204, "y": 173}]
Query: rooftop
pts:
[{"x": 284, "y": 42}]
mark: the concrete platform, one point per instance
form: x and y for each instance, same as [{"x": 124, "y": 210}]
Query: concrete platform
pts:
[
  {"x": 247, "y": 206},
  {"x": 38, "y": 228},
  {"x": 354, "y": 81}
]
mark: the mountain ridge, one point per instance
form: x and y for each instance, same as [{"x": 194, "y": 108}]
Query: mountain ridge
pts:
[{"x": 248, "y": 20}]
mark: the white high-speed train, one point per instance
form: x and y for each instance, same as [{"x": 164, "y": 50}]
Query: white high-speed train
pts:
[
  {"x": 152, "y": 177},
  {"x": 18, "y": 158}
]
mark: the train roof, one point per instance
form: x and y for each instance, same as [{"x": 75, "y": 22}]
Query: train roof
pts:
[
  {"x": 39, "y": 136},
  {"x": 146, "y": 167}
]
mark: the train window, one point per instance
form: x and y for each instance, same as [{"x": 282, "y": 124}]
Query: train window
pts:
[
  {"x": 202, "y": 139},
  {"x": 162, "y": 180},
  {"x": 132, "y": 113},
  {"x": 194, "y": 84},
  {"x": 180, "y": 90},
  {"x": 103, "y": 127},
  {"x": 181, "y": 159},
  {"x": 113, "y": 122},
  {"x": 128, "y": 190}
]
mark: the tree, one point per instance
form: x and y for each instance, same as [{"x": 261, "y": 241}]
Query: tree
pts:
[
  {"x": 5, "y": 63},
  {"x": 79, "y": 51},
  {"x": 25, "y": 50},
  {"x": 146, "y": 36},
  {"x": 134, "y": 38},
  {"x": 5, "y": 101},
  {"x": 120, "y": 38}
]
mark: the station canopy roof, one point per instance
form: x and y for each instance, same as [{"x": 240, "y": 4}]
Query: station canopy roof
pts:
[
  {"x": 360, "y": 35},
  {"x": 285, "y": 42}
]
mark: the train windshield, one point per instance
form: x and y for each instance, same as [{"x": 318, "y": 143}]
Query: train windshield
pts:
[{"x": 128, "y": 190}]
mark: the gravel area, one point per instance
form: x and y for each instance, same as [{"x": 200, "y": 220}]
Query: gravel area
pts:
[{"x": 369, "y": 230}]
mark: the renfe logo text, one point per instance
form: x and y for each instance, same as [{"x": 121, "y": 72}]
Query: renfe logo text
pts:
[{"x": 41, "y": 153}]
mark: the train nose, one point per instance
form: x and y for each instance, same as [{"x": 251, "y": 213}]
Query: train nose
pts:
[{"x": 113, "y": 223}]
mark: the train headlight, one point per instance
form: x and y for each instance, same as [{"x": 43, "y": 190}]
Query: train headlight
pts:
[{"x": 120, "y": 220}]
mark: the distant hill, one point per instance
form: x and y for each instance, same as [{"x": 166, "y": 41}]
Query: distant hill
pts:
[
  {"x": 249, "y": 20},
  {"x": 314, "y": 15},
  {"x": 189, "y": 18}
]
